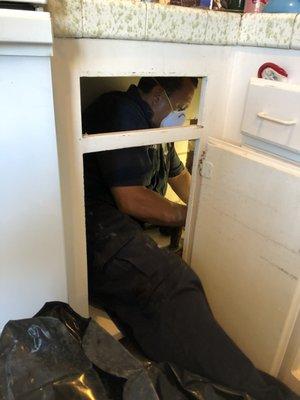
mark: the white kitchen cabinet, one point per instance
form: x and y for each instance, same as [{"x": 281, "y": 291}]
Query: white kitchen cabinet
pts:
[
  {"x": 32, "y": 254},
  {"x": 243, "y": 219},
  {"x": 271, "y": 118},
  {"x": 74, "y": 60}
]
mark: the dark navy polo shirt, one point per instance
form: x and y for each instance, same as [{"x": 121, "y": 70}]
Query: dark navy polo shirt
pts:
[{"x": 148, "y": 166}]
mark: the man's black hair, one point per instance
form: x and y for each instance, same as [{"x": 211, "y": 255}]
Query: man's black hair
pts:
[{"x": 170, "y": 84}]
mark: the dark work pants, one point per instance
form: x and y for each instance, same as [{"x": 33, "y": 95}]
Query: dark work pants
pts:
[{"x": 160, "y": 301}]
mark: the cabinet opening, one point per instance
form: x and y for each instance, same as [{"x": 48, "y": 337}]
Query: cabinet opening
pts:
[
  {"x": 93, "y": 87},
  {"x": 118, "y": 161}
]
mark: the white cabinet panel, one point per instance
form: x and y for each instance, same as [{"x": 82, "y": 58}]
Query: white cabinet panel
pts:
[
  {"x": 272, "y": 113},
  {"x": 19, "y": 26},
  {"x": 32, "y": 253},
  {"x": 246, "y": 248}
]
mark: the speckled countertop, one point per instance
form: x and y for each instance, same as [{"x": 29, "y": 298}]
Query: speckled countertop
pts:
[{"x": 136, "y": 20}]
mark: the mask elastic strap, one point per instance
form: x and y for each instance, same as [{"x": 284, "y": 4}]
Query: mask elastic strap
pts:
[{"x": 168, "y": 98}]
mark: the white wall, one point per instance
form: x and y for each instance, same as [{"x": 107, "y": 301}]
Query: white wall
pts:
[{"x": 32, "y": 259}]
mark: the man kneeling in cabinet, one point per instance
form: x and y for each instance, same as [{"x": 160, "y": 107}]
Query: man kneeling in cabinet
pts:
[{"x": 156, "y": 297}]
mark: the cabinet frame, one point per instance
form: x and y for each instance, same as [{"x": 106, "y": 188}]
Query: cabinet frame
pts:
[{"x": 75, "y": 59}]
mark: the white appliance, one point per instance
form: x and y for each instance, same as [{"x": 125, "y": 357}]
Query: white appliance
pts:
[{"x": 32, "y": 258}]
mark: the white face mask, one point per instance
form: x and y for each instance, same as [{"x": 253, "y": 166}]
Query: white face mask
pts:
[{"x": 175, "y": 118}]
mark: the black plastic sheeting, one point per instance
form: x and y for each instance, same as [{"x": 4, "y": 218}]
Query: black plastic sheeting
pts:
[{"x": 59, "y": 355}]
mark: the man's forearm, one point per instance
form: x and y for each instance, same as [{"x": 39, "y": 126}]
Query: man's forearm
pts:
[
  {"x": 181, "y": 185},
  {"x": 146, "y": 205}
]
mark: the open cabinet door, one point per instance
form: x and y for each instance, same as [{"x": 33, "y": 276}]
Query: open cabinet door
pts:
[{"x": 246, "y": 248}]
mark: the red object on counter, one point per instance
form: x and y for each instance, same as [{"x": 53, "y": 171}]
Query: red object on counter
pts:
[
  {"x": 272, "y": 71},
  {"x": 255, "y": 6}
]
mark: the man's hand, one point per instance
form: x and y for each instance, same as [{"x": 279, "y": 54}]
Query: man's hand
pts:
[
  {"x": 181, "y": 185},
  {"x": 146, "y": 205}
]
